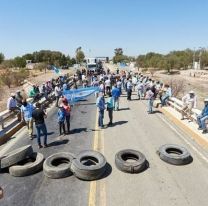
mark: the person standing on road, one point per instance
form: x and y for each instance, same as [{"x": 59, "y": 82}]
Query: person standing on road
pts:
[
  {"x": 57, "y": 92},
  {"x": 107, "y": 85},
  {"x": 100, "y": 102},
  {"x": 115, "y": 94},
  {"x": 67, "y": 109},
  {"x": 38, "y": 115},
  {"x": 201, "y": 119},
  {"x": 110, "y": 106},
  {"x": 26, "y": 114},
  {"x": 189, "y": 102},
  {"x": 129, "y": 89},
  {"x": 61, "y": 120},
  {"x": 150, "y": 98}
]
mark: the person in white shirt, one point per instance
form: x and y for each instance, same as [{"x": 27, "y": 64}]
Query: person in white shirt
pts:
[
  {"x": 12, "y": 103},
  {"x": 107, "y": 85},
  {"x": 189, "y": 102}
]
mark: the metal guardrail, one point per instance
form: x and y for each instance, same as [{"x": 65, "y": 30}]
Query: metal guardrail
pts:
[{"x": 178, "y": 106}]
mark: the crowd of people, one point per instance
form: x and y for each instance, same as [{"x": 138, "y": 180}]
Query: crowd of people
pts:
[
  {"x": 32, "y": 112},
  {"x": 111, "y": 86}
]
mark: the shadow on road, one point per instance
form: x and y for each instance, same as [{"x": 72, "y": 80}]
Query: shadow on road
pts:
[
  {"x": 90, "y": 103},
  {"x": 119, "y": 123},
  {"x": 155, "y": 112},
  {"x": 78, "y": 130},
  {"x": 58, "y": 142},
  {"x": 122, "y": 109}
]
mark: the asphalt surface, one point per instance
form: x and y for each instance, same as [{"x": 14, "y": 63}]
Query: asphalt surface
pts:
[
  {"x": 161, "y": 184},
  {"x": 39, "y": 190}
]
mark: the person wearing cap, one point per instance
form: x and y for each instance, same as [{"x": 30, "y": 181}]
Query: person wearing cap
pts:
[
  {"x": 12, "y": 104},
  {"x": 189, "y": 102},
  {"x": 201, "y": 119},
  {"x": 100, "y": 103},
  {"x": 26, "y": 114}
]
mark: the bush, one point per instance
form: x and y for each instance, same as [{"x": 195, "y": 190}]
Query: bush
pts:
[{"x": 9, "y": 77}]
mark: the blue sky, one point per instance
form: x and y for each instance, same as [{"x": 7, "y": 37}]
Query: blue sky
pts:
[{"x": 99, "y": 26}]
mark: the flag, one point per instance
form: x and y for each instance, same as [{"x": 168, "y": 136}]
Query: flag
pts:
[
  {"x": 75, "y": 95},
  {"x": 56, "y": 69}
]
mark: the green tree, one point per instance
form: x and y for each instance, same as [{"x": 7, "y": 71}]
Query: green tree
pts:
[
  {"x": 19, "y": 62},
  {"x": 119, "y": 56},
  {"x": 79, "y": 55},
  {"x": 1, "y": 57}
]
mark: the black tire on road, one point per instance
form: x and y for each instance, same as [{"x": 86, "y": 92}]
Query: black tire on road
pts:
[
  {"x": 174, "y": 154},
  {"x": 15, "y": 156},
  {"x": 89, "y": 165},
  {"x": 130, "y": 161},
  {"x": 28, "y": 168},
  {"x": 58, "y": 165}
]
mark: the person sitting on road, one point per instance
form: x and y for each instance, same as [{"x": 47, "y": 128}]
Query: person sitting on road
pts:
[
  {"x": 168, "y": 94},
  {"x": 61, "y": 119},
  {"x": 115, "y": 94},
  {"x": 110, "y": 107},
  {"x": 26, "y": 114},
  {"x": 201, "y": 119},
  {"x": 189, "y": 102},
  {"x": 38, "y": 115},
  {"x": 100, "y": 103}
]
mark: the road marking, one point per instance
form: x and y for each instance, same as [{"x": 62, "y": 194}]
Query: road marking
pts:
[
  {"x": 98, "y": 145},
  {"x": 93, "y": 184},
  {"x": 185, "y": 140}
]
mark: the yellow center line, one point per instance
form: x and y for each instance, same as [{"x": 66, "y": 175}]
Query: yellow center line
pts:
[
  {"x": 93, "y": 184},
  {"x": 98, "y": 145}
]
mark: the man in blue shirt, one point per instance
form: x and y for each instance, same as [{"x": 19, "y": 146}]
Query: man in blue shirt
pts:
[
  {"x": 100, "y": 102},
  {"x": 201, "y": 119},
  {"x": 26, "y": 114},
  {"x": 116, "y": 94}
]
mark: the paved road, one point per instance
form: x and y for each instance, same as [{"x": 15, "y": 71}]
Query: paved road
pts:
[
  {"x": 39, "y": 190},
  {"x": 161, "y": 184}
]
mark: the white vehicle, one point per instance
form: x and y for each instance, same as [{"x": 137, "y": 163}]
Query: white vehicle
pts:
[{"x": 91, "y": 64}]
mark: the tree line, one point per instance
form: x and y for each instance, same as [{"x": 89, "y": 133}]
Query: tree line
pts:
[
  {"x": 43, "y": 56},
  {"x": 173, "y": 60}
]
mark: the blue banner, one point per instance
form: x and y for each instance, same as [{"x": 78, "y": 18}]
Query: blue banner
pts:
[
  {"x": 75, "y": 95},
  {"x": 56, "y": 69}
]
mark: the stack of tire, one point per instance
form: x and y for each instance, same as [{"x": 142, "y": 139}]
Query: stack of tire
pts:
[
  {"x": 87, "y": 165},
  {"x": 22, "y": 161}
]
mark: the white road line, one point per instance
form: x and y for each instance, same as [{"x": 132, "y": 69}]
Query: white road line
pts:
[{"x": 185, "y": 140}]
